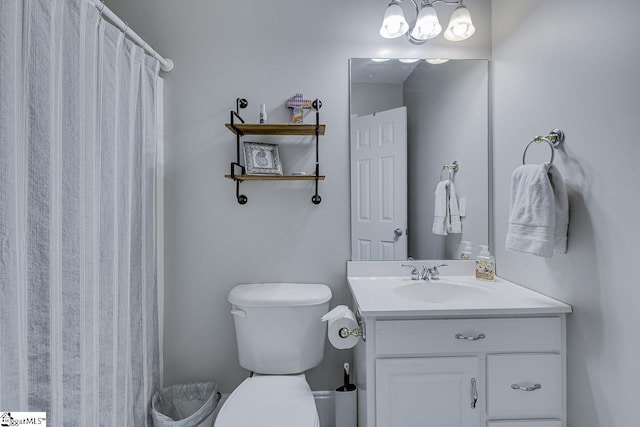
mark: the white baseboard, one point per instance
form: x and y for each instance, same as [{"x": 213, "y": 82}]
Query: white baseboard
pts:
[{"x": 324, "y": 402}]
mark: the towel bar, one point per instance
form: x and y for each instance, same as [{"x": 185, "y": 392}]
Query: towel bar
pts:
[{"x": 555, "y": 138}]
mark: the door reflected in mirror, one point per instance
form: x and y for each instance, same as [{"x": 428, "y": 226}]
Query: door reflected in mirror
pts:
[{"x": 409, "y": 120}]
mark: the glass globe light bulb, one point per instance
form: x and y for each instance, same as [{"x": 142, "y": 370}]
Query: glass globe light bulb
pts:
[
  {"x": 460, "y": 25},
  {"x": 394, "y": 23},
  {"x": 427, "y": 24}
]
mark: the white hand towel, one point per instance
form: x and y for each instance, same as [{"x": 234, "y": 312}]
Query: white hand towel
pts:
[
  {"x": 440, "y": 210},
  {"x": 453, "y": 219},
  {"x": 561, "y": 202},
  {"x": 534, "y": 212}
]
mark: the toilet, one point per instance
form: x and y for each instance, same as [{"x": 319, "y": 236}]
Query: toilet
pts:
[{"x": 280, "y": 335}]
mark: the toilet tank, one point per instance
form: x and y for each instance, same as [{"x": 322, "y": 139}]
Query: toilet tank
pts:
[{"x": 278, "y": 326}]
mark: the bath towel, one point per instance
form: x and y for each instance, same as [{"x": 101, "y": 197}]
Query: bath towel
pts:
[
  {"x": 453, "y": 222},
  {"x": 440, "y": 210},
  {"x": 446, "y": 213},
  {"x": 539, "y": 213},
  {"x": 561, "y": 200}
]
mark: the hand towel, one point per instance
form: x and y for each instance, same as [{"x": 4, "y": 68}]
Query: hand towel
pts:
[
  {"x": 453, "y": 219},
  {"x": 440, "y": 210},
  {"x": 446, "y": 215},
  {"x": 561, "y": 201},
  {"x": 539, "y": 211}
]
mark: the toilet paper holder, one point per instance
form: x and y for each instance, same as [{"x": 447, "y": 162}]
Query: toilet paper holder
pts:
[{"x": 357, "y": 332}]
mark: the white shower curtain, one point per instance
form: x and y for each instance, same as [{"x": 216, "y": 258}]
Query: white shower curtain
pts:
[{"x": 78, "y": 292}]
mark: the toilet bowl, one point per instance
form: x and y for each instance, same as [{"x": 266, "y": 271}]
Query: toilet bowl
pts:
[
  {"x": 280, "y": 335},
  {"x": 270, "y": 401}
]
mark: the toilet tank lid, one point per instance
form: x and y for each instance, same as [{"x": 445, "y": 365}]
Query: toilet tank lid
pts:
[{"x": 279, "y": 294}]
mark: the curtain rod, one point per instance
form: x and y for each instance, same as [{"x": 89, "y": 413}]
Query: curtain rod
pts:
[{"x": 166, "y": 64}]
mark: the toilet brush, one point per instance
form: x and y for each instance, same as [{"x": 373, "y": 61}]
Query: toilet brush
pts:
[{"x": 346, "y": 401}]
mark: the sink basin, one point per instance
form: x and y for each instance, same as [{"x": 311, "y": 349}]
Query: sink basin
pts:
[{"x": 442, "y": 291}]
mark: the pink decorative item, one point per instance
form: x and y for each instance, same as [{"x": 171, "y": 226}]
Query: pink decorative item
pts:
[{"x": 298, "y": 104}]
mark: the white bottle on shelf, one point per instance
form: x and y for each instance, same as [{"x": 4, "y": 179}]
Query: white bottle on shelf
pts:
[{"x": 263, "y": 113}]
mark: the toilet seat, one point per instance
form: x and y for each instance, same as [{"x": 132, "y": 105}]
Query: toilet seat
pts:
[{"x": 270, "y": 401}]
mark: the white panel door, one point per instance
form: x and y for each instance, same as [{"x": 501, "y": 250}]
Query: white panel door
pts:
[
  {"x": 428, "y": 392},
  {"x": 379, "y": 186}
]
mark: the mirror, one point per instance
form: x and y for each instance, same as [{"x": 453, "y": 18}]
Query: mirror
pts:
[{"x": 410, "y": 121}]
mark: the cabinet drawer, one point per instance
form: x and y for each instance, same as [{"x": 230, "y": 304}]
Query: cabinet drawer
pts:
[
  {"x": 532, "y": 423},
  {"x": 524, "y": 385},
  {"x": 397, "y": 337}
]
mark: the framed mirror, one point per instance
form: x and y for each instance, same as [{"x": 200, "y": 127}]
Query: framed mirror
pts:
[{"x": 416, "y": 124}]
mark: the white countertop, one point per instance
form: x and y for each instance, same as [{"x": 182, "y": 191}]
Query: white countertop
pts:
[{"x": 399, "y": 296}]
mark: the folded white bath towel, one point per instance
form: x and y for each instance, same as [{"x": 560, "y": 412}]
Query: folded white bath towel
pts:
[
  {"x": 440, "y": 210},
  {"x": 539, "y": 213},
  {"x": 561, "y": 200},
  {"x": 446, "y": 213},
  {"x": 453, "y": 220}
]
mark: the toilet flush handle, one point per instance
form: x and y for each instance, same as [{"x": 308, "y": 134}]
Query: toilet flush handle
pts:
[{"x": 240, "y": 313}]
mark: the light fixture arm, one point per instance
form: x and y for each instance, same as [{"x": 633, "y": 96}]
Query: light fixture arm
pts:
[
  {"x": 415, "y": 21},
  {"x": 449, "y": 2}
]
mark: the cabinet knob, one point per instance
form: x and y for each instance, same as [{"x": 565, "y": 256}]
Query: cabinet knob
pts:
[{"x": 521, "y": 388}]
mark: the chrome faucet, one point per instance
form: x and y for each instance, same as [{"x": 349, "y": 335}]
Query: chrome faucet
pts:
[
  {"x": 415, "y": 274},
  {"x": 431, "y": 273}
]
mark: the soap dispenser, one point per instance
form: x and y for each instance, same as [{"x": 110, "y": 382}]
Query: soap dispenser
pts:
[
  {"x": 485, "y": 264},
  {"x": 467, "y": 250}
]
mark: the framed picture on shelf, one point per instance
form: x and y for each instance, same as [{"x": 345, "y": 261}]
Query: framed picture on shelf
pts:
[{"x": 262, "y": 159}]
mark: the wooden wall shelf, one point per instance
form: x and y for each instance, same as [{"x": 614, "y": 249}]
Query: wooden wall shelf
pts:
[
  {"x": 275, "y": 177},
  {"x": 274, "y": 129},
  {"x": 239, "y": 128}
]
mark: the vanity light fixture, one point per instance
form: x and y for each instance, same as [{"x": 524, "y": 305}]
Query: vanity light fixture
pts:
[{"x": 427, "y": 25}]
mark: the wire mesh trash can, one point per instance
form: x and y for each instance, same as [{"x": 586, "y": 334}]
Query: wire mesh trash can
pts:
[{"x": 185, "y": 405}]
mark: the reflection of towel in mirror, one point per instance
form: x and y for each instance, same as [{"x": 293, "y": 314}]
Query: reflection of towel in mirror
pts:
[
  {"x": 539, "y": 214},
  {"x": 446, "y": 214}
]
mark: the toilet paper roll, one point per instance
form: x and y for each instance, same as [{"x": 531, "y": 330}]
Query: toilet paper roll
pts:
[{"x": 338, "y": 318}]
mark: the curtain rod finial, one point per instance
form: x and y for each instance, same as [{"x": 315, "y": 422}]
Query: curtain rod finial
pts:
[{"x": 168, "y": 66}]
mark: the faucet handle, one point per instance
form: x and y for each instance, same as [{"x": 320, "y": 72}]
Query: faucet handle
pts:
[
  {"x": 415, "y": 274},
  {"x": 435, "y": 274}
]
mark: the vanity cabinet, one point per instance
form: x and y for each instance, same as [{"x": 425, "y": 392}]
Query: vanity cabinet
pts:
[{"x": 462, "y": 372}]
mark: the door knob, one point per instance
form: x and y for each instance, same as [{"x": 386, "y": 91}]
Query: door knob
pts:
[{"x": 397, "y": 232}]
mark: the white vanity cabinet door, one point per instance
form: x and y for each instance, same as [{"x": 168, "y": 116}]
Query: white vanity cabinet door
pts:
[
  {"x": 428, "y": 392},
  {"x": 524, "y": 385}
]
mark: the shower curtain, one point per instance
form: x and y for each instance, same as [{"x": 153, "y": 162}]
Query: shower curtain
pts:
[{"x": 78, "y": 292}]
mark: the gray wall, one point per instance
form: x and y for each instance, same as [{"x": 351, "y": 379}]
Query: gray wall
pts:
[
  {"x": 265, "y": 52},
  {"x": 575, "y": 64},
  {"x": 569, "y": 64},
  {"x": 369, "y": 98},
  {"x": 447, "y": 120}
]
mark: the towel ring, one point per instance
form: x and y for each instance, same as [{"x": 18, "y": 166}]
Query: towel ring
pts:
[
  {"x": 450, "y": 172},
  {"x": 452, "y": 168},
  {"x": 554, "y": 139}
]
